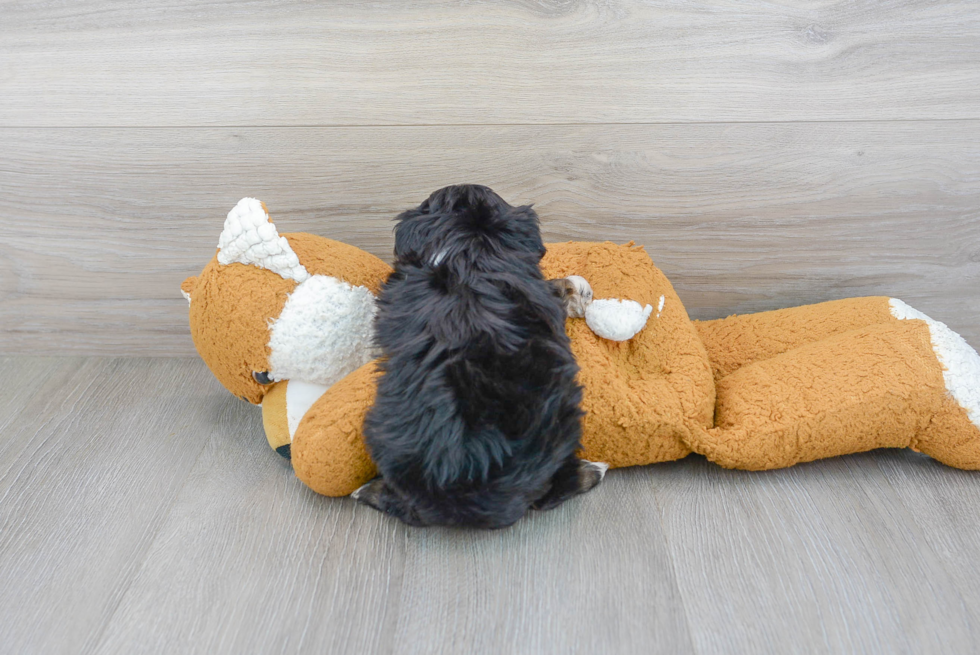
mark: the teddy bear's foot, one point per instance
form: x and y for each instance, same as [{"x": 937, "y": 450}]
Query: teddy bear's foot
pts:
[{"x": 953, "y": 434}]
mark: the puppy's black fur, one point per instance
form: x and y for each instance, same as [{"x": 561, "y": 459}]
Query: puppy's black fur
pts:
[{"x": 477, "y": 413}]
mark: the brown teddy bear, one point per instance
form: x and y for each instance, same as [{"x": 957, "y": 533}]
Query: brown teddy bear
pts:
[{"x": 285, "y": 321}]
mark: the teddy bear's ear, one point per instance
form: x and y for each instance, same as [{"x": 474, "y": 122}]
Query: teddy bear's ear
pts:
[
  {"x": 249, "y": 237},
  {"x": 187, "y": 287}
]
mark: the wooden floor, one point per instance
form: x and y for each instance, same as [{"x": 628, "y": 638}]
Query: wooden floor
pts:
[
  {"x": 766, "y": 154},
  {"x": 142, "y": 511}
]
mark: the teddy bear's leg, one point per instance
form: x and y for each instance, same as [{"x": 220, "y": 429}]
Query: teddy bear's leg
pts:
[
  {"x": 953, "y": 435},
  {"x": 328, "y": 451},
  {"x": 895, "y": 384},
  {"x": 739, "y": 340}
]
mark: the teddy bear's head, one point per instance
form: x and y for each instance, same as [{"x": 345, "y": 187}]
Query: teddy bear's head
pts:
[{"x": 269, "y": 308}]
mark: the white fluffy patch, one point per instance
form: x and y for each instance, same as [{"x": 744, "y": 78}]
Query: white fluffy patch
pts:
[
  {"x": 617, "y": 320},
  {"x": 660, "y": 306},
  {"x": 961, "y": 363},
  {"x": 300, "y": 396},
  {"x": 249, "y": 237},
  {"x": 323, "y": 333},
  {"x": 187, "y": 296}
]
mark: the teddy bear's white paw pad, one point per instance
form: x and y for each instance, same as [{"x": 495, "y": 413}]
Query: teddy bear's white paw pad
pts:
[
  {"x": 617, "y": 320},
  {"x": 960, "y": 362}
]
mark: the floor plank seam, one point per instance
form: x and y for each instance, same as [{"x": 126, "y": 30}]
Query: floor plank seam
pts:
[{"x": 341, "y": 126}]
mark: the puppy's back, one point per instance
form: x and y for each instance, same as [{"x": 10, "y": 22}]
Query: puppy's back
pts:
[{"x": 477, "y": 405}]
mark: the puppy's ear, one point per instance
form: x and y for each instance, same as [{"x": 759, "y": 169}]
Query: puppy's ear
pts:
[
  {"x": 411, "y": 234},
  {"x": 527, "y": 230},
  {"x": 416, "y": 227}
]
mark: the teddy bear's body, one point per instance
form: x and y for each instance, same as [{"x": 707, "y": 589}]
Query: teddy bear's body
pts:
[{"x": 757, "y": 391}]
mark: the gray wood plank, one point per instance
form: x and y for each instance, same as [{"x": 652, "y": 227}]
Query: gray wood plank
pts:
[
  {"x": 101, "y": 226},
  {"x": 943, "y": 503},
  {"x": 136, "y": 63},
  {"x": 251, "y": 561},
  {"x": 45, "y": 390},
  {"x": 23, "y": 378},
  {"x": 822, "y": 557},
  {"x": 592, "y": 576},
  {"x": 87, "y": 475},
  {"x": 142, "y": 511}
]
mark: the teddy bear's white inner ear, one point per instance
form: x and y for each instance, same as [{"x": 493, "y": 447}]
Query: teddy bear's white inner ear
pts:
[{"x": 249, "y": 237}]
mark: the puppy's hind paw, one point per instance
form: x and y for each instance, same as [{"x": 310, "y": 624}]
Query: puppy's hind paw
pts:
[
  {"x": 381, "y": 497},
  {"x": 370, "y": 494},
  {"x": 576, "y": 477},
  {"x": 591, "y": 474}
]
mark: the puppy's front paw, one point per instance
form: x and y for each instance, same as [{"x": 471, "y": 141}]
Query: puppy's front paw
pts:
[
  {"x": 575, "y": 293},
  {"x": 575, "y": 477}
]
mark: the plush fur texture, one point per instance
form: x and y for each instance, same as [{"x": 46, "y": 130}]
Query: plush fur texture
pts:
[
  {"x": 249, "y": 237},
  {"x": 477, "y": 412},
  {"x": 617, "y": 320},
  {"x": 323, "y": 332}
]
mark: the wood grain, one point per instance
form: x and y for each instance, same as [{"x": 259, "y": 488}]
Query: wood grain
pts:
[
  {"x": 251, "y": 561},
  {"x": 592, "y": 576},
  {"x": 102, "y": 225},
  {"x": 822, "y": 557},
  {"x": 142, "y": 511},
  {"x": 942, "y": 502},
  {"x": 767, "y": 154},
  {"x": 31, "y": 374},
  {"x": 88, "y": 471},
  {"x": 139, "y": 63}
]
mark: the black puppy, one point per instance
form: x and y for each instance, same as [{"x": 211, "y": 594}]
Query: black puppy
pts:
[{"x": 477, "y": 413}]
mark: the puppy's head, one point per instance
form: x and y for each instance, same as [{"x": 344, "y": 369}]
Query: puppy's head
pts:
[{"x": 470, "y": 220}]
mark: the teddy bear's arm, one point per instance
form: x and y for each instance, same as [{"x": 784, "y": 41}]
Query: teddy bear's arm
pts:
[
  {"x": 881, "y": 386},
  {"x": 328, "y": 451},
  {"x": 739, "y": 340},
  {"x": 347, "y": 263}
]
